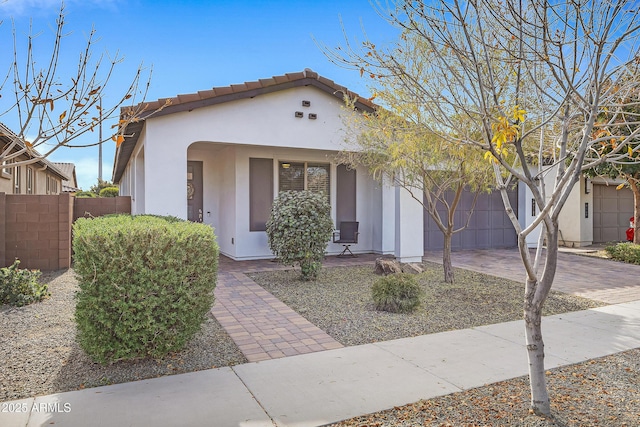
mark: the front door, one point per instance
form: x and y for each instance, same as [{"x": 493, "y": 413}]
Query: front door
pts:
[{"x": 194, "y": 191}]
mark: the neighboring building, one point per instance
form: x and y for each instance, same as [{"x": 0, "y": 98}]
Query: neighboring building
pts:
[
  {"x": 68, "y": 169},
  {"x": 221, "y": 156},
  {"x": 595, "y": 212},
  {"x": 41, "y": 177}
]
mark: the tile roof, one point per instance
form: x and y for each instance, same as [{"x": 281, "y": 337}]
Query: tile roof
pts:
[
  {"x": 69, "y": 169},
  {"x": 217, "y": 95},
  {"x": 248, "y": 89}
]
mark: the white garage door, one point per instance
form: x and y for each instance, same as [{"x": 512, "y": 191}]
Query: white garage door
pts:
[{"x": 611, "y": 212}]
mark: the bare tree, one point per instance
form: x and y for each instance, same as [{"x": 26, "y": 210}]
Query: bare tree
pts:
[
  {"x": 53, "y": 110},
  {"x": 533, "y": 76}
]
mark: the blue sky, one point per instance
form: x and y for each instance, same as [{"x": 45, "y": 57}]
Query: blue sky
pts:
[{"x": 196, "y": 45}]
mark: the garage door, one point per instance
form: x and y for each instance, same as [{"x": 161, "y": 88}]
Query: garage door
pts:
[
  {"x": 611, "y": 212},
  {"x": 489, "y": 228}
]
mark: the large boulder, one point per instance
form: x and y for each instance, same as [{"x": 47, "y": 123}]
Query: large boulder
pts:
[{"x": 387, "y": 266}]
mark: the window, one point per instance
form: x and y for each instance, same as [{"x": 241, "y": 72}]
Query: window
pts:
[
  {"x": 304, "y": 176},
  {"x": 260, "y": 193},
  {"x": 17, "y": 187},
  {"x": 52, "y": 185},
  {"x": 55, "y": 185},
  {"x": 6, "y": 172},
  {"x": 29, "y": 180}
]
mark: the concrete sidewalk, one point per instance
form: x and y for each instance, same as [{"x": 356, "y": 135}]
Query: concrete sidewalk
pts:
[{"x": 319, "y": 388}]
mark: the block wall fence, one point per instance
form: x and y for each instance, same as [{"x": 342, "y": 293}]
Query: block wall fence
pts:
[{"x": 36, "y": 229}]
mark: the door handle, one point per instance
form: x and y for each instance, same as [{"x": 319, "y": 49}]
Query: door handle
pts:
[{"x": 199, "y": 215}]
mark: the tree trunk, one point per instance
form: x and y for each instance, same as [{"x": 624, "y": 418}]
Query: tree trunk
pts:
[
  {"x": 446, "y": 258},
  {"x": 535, "y": 352},
  {"x": 636, "y": 210},
  {"x": 536, "y": 291}
]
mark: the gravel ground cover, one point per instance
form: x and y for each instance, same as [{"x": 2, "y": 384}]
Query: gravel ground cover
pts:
[
  {"x": 600, "y": 392},
  {"x": 39, "y": 354},
  {"x": 603, "y": 392},
  {"x": 340, "y": 303}
]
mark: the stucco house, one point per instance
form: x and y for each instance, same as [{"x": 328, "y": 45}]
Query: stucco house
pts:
[
  {"x": 41, "y": 177},
  {"x": 595, "y": 212},
  {"x": 221, "y": 156}
]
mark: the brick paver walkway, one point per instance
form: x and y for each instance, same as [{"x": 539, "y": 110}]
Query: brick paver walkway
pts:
[
  {"x": 594, "y": 278},
  {"x": 262, "y": 326}
]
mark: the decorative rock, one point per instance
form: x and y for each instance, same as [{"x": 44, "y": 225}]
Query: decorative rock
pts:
[
  {"x": 387, "y": 266},
  {"x": 412, "y": 268}
]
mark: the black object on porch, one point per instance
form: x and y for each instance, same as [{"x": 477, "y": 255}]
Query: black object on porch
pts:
[{"x": 348, "y": 236}]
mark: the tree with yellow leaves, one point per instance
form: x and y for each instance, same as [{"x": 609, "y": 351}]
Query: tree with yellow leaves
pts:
[
  {"x": 396, "y": 146},
  {"x": 531, "y": 79}
]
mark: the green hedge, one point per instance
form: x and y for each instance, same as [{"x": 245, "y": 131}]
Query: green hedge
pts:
[
  {"x": 626, "y": 252},
  {"x": 109, "y": 192},
  {"x": 146, "y": 284},
  {"x": 20, "y": 287},
  {"x": 85, "y": 195}
]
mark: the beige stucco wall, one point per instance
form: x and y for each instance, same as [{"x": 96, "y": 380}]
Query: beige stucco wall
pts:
[{"x": 39, "y": 180}]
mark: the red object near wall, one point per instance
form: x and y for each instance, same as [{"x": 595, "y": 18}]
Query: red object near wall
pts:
[{"x": 630, "y": 231}]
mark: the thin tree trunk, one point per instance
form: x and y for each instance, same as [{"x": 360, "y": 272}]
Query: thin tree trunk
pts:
[
  {"x": 537, "y": 290},
  {"x": 636, "y": 210},
  {"x": 446, "y": 258},
  {"x": 535, "y": 352}
]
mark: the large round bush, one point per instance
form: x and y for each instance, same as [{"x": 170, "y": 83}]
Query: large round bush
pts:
[
  {"x": 146, "y": 284},
  {"x": 299, "y": 230}
]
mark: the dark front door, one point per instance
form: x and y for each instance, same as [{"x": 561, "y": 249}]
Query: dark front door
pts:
[{"x": 194, "y": 191}]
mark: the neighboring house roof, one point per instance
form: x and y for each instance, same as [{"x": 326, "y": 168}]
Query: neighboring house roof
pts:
[
  {"x": 69, "y": 169},
  {"x": 7, "y": 136},
  {"x": 218, "y": 95}
]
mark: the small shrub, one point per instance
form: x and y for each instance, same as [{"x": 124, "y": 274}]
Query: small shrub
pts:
[
  {"x": 626, "y": 252},
  {"x": 20, "y": 287},
  {"x": 299, "y": 229},
  {"x": 397, "y": 293},
  {"x": 109, "y": 192},
  {"x": 146, "y": 284},
  {"x": 85, "y": 194}
]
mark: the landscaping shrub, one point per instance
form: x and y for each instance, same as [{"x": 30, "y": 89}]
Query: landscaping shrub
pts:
[
  {"x": 397, "y": 293},
  {"x": 20, "y": 287},
  {"x": 109, "y": 192},
  {"x": 146, "y": 284},
  {"x": 625, "y": 252},
  {"x": 85, "y": 194},
  {"x": 299, "y": 229}
]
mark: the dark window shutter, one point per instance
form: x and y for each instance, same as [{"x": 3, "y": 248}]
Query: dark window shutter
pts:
[
  {"x": 260, "y": 193},
  {"x": 345, "y": 194}
]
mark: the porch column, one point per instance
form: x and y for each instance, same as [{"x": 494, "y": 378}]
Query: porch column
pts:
[
  {"x": 388, "y": 227},
  {"x": 165, "y": 179},
  {"x": 409, "y": 245}
]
